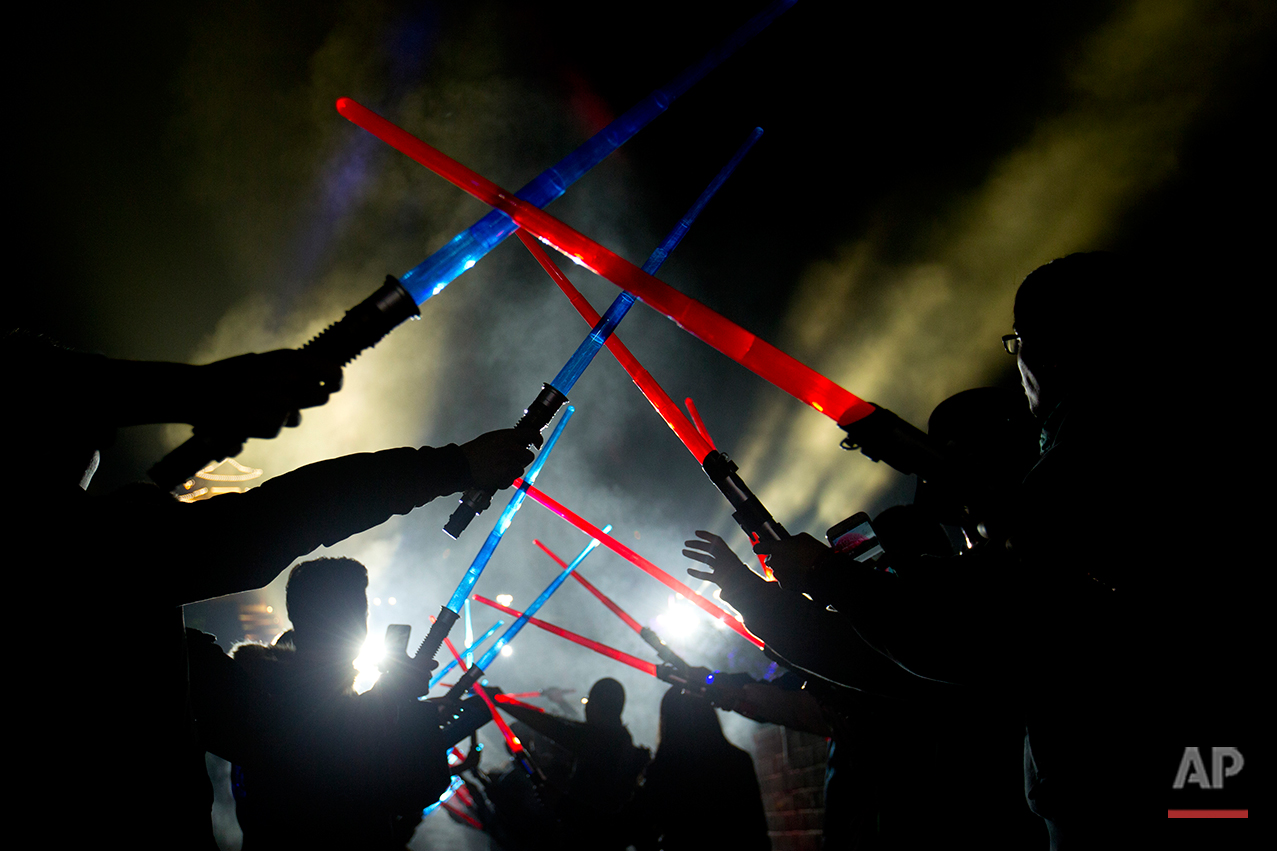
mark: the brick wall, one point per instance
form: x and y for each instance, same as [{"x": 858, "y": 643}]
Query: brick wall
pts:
[{"x": 791, "y": 772}]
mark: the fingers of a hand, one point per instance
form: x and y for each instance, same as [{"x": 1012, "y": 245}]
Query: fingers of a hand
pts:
[
  {"x": 696, "y": 555},
  {"x": 700, "y": 574},
  {"x": 331, "y": 377}
]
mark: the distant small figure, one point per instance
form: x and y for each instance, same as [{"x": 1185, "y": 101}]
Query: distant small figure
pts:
[
  {"x": 701, "y": 790},
  {"x": 606, "y": 766}
]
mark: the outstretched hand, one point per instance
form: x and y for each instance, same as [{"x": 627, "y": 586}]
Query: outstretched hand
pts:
[
  {"x": 726, "y": 570},
  {"x": 497, "y": 458},
  {"x": 793, "y": 561},
  {"x": 255, "y": 395}
]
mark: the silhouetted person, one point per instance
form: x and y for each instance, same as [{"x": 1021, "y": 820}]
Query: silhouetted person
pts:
[
  {"x": 700, "y": 790},
  {"x": 911, "y": 760},
  {"x": 338, "y": 770},
  {"x": 140, "y": 554},
  {"x": 606, "y": 765},
  {"x": 1057, "y": 619}
]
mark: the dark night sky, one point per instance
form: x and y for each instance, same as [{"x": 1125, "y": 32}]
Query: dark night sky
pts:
[{"x": 187, "y": 192}]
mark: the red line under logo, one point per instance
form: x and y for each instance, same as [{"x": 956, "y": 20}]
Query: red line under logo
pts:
[{"x": 1207, "y": 813}]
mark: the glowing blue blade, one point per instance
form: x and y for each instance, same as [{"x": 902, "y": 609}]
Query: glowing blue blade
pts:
[
  {"x": 486, "y": 659},
  {"x": 503, "y": 522},
  {"x": 598, "y": 335},
  {"x": 469, "y": 634},
  {"x": 430, "y": 276},
  {"x": 466, "y": 654},
  {"x": 456, "y": 784}
]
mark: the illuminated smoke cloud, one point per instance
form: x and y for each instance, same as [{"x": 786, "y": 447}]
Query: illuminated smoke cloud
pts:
[
  {"x": 908, "y": 336},
  {"x": 310, "y": 215}
]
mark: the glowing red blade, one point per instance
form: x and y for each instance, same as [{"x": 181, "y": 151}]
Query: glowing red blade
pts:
[
  {"x": 641, "y": 563},
  {"x": 643, "y": 379},
  {"x": 506, "y": 733},
  {"x": 759, "y": 356},
  {"x": 611, "y": 652},
  {"x": 589, "y": 586}
]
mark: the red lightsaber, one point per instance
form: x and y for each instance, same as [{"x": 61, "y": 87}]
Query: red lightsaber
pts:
[
  {"x": 589, "y": 586},
  {"x": 597, "y": 647},
  {"x": 653, "y": 640},
  {"x": 638, "y": 561},
  {"x": 760, "y": 357},
  {"x": 462, "y": 816},
  {"x": 512, "y": 700},
  {"x": 698, "y": 422},
  {"x": 660, "y": 400},
  {"x": 463, "y": 794},
  {"x": 506, "y": 733},
  {"x": 750, "y": 513}
]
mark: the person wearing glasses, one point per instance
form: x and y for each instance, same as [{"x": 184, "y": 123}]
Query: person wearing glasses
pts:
[{"x": 1048, "y": 625}]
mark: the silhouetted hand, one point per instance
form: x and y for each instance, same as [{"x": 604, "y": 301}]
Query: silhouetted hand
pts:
[
  {"x": 255, "y": 395},
  {"x": 727, "y": 571},
  {"x": 497, "y": 458},
  {"x": 404, "y": 676},
  {"x": 794, "y": 560}
]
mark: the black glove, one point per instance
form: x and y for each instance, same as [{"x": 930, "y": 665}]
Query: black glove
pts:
[
  {"x": 497, "y": 458},
  {"x": 795, "y": 561},
  {"x": 255, "y": 395}
]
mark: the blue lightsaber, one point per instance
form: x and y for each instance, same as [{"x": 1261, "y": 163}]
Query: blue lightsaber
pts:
[
  {"x": 449, "y": 613},
  {"x": 467, "y": 653},
  {"x": 555, "y": 393},
  {"x": 453, "y": 786},
  {"x": 478, "y": 668},
  {"x": 429, "y": 277},
  {"x": 469, "y": 634},
  {"x": 397, "y": 299}
]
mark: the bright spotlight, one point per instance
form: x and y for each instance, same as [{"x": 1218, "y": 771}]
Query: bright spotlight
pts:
[
  {"x": 366, "y": 663},
  {"x": 678, "y": 620}
]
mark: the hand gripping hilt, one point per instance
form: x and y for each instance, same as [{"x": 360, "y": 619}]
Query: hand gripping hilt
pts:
[
  {"x": 536, "y": 417},
  {"x": 750, "y": 514},
  {"x": 472, "y": 675},
  {"x": 338, "y": 344},
  {"x": 884, "y": 436}
]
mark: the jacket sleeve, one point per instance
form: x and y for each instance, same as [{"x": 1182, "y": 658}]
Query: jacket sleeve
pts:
[
  {"x": 265, "y": 529},
  {"x": 810, "y": 638},
  {"x": 958, "y": 619},
  {"x": 570, "y": 735}
]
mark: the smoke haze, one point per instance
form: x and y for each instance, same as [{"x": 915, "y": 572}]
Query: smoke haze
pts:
[{"x": 223, "y": 206}]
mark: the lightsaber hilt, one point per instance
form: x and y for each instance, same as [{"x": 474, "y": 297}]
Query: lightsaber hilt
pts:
[
  {"x": 750, "y": 514},
  {"x": 438, "y": 632},
  {"x": 884, "y": 436},
  {"x": 338, "y": 344},
  {"x": 472, "y": 675},
  {"x": 715, "y": 686},
  {"x": 365, "y": 324},
  {"x": 663, "y": 650},
  {"x": 535, "y": 418}
]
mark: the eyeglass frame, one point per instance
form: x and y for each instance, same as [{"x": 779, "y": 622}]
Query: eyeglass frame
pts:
[{"x": 1012, "y": 343}]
